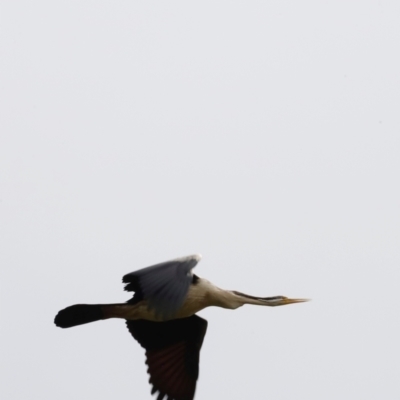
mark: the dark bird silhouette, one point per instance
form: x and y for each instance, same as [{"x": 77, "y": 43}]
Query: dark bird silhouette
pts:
[{"x": 161, "y": 317}]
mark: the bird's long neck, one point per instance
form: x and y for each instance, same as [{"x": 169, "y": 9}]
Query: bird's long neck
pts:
[
  {"x": 233, "y": 299},
  {"x": 205, "y": 294}
]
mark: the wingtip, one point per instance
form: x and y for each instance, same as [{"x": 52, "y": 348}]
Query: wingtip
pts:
[{"x": 195, "y": 257}]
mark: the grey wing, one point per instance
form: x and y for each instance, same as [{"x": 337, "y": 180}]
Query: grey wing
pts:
[{"x": 164, "y": 285}]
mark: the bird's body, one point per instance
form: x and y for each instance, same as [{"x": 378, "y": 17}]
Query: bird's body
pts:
[
  {"x": 161, "y": 317},
  {"x": 201, "y": 294}
]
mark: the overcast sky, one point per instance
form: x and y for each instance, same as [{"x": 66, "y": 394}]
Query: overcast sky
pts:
[{"x": 264, "y": 135}]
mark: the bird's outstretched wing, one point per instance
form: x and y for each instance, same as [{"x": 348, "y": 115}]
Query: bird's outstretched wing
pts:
[
  {"x": 164, "y": 285},
  {"x": 172, "y": 353}
]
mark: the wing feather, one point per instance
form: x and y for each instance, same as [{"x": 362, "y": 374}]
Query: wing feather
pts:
[
  {"x": 172, "y": 354},
  {"x": 164, "y": 285}
]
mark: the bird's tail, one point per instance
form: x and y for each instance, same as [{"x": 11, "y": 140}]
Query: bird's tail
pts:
[{"x": 79, "y": 314}]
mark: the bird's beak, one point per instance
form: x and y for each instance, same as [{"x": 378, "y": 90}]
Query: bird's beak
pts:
[
  {"x": 282, "y": 301},
  {"x": 286, "y": 300}
]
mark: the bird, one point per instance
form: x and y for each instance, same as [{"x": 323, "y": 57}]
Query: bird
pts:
[{"x": 161, "y": 316}]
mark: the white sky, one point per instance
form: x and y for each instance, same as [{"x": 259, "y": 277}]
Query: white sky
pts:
[{"x": 263, "y": 134}]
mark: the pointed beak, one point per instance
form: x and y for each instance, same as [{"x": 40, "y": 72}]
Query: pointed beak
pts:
[{"x": 286, "y": 300}]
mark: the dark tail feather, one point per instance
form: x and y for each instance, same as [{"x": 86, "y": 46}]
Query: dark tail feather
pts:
[{"x": 79, "y": 314}]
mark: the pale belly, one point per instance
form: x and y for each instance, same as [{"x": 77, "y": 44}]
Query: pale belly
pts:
[{"x": 197, "y": 299}]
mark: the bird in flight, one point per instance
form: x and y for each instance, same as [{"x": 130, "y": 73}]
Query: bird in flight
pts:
[{"x": 161, "y": 316}]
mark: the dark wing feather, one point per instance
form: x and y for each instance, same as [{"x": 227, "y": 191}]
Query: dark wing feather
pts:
[
  {"x": 164, "y": 285},
  {"x": 172, "y": 352}
]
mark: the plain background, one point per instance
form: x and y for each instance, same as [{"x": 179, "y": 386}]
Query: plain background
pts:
[{"x": 262, "y": 134}]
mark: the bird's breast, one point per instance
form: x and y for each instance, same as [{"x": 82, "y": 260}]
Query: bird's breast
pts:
[{"x": 198, "y": 297}]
